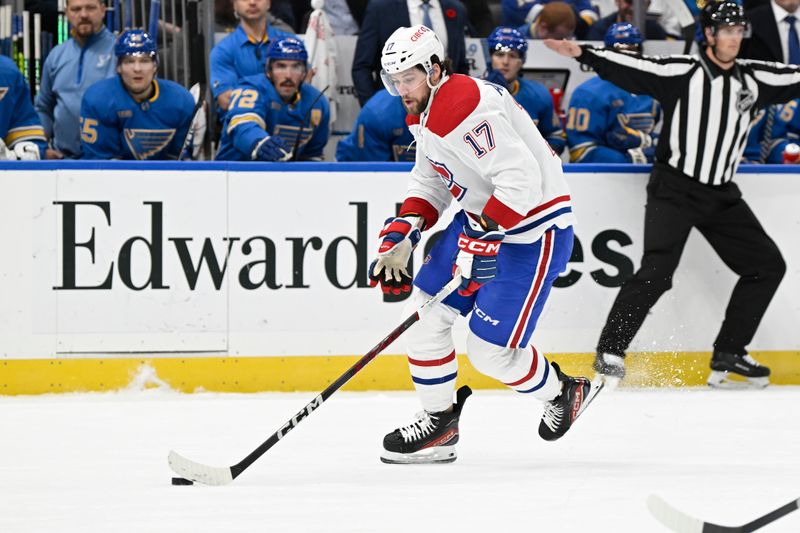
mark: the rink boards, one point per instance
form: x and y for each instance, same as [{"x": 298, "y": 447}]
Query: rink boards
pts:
[{"x": 223, "y": 276}]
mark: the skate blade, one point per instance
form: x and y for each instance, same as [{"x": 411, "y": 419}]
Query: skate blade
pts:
[
  {"x": 722, "y": 380},
  {"x": 434, "y": 455}
]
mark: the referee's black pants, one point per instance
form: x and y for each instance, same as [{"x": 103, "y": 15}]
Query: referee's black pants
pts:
[{"x": 676, "y": 204}]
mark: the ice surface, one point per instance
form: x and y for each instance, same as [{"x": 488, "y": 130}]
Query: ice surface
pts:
[{"x": 98, "y": 462}]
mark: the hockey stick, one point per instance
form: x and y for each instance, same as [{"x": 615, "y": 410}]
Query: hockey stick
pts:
[
  {"x": 303, "y": 124},
  {"x": 198, "y": 70},
  {"x": 683, "y": 523},
  {"x": 211, "y": 475}
]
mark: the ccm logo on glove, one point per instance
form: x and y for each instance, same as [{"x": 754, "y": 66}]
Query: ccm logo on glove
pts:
[{"x": 477, "y": 247}]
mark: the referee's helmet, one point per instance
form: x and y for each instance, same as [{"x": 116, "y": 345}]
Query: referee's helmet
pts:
[{"x": 725, "y": 13}]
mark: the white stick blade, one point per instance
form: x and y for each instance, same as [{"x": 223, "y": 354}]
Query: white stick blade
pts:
[
  {"x": 197, "y": 472},
  {"x": 673, "y": 518}
]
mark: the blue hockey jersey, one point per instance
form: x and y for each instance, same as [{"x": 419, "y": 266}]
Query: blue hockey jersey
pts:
[
  {"x": 380, "y": 132},
  {"x": 239, "y": 55},
  {"x": 603, "y": 120},
  {"x": 536, "y": 100},
  {"x": 18, "y": 120},
  {"x": 257, "y": 110},
  {"x": 115, "y": 126}
]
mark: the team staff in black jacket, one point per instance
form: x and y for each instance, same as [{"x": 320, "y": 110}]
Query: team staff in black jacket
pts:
[{"x": 708, "y": 100}]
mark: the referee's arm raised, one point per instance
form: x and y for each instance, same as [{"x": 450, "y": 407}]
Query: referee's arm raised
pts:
[
  {"x": 634, "y": 73},
  {"x": 777, "y": 83}
]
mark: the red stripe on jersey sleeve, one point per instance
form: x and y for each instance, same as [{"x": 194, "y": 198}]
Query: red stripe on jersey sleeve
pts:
[
  {"x": 453, "y": 102},
  {"x": 501, "y": 213},
  {"x": 421, "y": 207}
]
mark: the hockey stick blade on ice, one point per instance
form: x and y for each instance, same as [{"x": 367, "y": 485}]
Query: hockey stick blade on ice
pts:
[
  {"x": 682, "y": 523},
  {"x": 216, "y": 475}
]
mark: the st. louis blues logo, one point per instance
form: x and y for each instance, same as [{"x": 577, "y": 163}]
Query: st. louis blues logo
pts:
[
  {"x": 455, "y": 189},
  {"x": 144, "y": 144}
]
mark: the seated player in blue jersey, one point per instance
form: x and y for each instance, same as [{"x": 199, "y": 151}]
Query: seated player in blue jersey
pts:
[
  {"x": 606, "y": 124},
  {"x": 243, "y": 52},
  {"x": 380, "y": 132},
  {"x": 277, "y": 117},
  {"x": 135, "y": 115},
  {"x": 21, "y": 133},
  {"x": 507, "y": 48}
]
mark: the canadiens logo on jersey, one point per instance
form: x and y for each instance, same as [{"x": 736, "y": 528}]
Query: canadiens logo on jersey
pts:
[
  {"x": 145, "y": 144},
  {"x": 449, "y": 180}
]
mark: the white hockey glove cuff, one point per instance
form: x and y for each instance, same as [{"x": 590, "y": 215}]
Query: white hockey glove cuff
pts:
[
  {"x": 400, "y": 235},
  {"x": 26, "y": 151}
]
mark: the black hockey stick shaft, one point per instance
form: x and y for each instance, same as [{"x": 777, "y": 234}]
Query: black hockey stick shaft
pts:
[
  {"x": 303, "y": 124},
  {"x": 293, "y": 422},
  {"x": 767, "y": 518}
]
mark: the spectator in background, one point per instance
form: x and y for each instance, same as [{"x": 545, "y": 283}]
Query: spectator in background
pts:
[
  {"x": 70, "y": 68},
  {"x": 606, "y": 124},
  {"x": 447, "y": 19},
  {"x": 624, "y": 13},
  {"x": 340, "y": 13},
  {"x": 522, "y": 14},
  {"x": 283, "y": 10},
  {"x": 507, "y": 48},
  {"x": 226, "y": 20},
  {"x": 557, "y": 20},
  {"x": 775, "y": 26},
  {"x": 277, "y": 117},
  {"x": 135, "y": 115},
  {"x": 380, "y": 132},
  {"x": 243, "y": 52},
  {"x": 480, "y": 18},
  {"x": 21, "y": 133}
]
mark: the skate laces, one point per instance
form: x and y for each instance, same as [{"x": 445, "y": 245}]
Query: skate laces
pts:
[
  {"x": 553, "y": 414},
  {"x": 750, "y": 360},
  {"x": 421, "y": 427}
]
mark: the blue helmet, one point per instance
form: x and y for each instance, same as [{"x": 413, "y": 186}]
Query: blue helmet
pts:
[
  {"x": 135, "y": 42},
  {"x": 287, "y": 48},
  {"x": 624, "y": 34},
  {"x": 506, "y": 39}
]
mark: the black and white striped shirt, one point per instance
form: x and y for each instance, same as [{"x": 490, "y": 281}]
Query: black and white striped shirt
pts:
[{"x": 707, "y": 110}]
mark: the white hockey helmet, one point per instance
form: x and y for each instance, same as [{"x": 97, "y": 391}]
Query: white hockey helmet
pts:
[{"x": 407, "y": 48}]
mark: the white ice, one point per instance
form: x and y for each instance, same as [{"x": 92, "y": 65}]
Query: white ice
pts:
[{"x": 97, "y": 462}]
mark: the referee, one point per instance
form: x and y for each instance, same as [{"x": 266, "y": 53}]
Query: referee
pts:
[{"x": 709, "y": 101}]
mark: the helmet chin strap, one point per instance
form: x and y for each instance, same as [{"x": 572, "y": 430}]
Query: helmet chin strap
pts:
[{"x": 433, "y": 89}]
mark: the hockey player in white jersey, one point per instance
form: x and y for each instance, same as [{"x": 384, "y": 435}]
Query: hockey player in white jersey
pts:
[{"x": 510, "y": 241}]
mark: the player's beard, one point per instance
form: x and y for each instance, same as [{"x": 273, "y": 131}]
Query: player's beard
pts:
[{"x": 417, "y": 106}]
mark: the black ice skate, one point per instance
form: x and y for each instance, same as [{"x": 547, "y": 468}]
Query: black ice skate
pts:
[
  {"x": 562, "y": 411},
  {"x": 724, "y": 363},
  {"x": 429, "y": 439},
  {"x": 610, "y": 368}
]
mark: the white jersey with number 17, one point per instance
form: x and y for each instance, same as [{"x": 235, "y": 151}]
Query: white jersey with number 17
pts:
[{"x": 476, "y": 144}]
